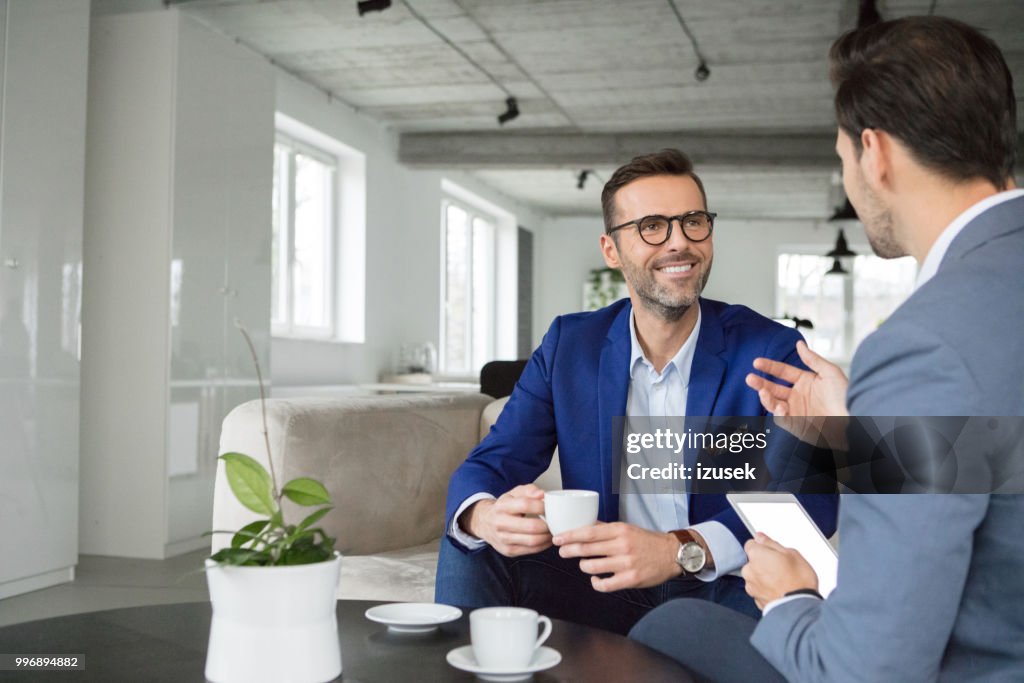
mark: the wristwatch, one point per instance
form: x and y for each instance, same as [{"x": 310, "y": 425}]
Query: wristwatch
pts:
[{"x": 690, "y": 556}]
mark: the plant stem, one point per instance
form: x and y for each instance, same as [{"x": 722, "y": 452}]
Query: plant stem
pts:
[{"x": 263, "y": 409}]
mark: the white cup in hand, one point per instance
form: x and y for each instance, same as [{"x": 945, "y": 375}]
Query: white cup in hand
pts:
[
  {"x": 506, "y": 637},
  {"x": 569, "y": 509}
]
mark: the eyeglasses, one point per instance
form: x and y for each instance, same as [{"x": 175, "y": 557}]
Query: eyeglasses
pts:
[{"x": 655, "y": 230}]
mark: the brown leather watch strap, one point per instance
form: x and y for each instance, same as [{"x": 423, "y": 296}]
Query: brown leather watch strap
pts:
[{"x": 683, "y": 535}]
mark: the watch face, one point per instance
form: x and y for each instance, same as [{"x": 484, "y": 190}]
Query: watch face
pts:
[{"x": 692, "y": 558}]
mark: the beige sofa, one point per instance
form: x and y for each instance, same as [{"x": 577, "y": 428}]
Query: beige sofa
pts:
[{"x": 386, "y": 462}]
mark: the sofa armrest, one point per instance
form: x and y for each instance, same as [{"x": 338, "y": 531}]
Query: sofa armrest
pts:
[{"x": 551, "y": 478}]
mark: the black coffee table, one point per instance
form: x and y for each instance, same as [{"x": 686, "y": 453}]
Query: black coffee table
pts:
[{"x": 168, "y": 643}]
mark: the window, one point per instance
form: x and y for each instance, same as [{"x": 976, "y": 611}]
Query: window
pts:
[
  {"x": 469, "y": 297},
  {"x": 844, "y": 309},
  {"x": 319, "y": 236},
  {"x": 304, "y": 209}
]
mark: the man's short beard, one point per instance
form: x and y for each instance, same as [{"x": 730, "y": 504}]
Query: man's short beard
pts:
[
  {"x": 669, "y": 314},
  {"x": 878, "y": 225},
  {"x": 882, "y": 237},
  {"x": 667, "y": 311}
]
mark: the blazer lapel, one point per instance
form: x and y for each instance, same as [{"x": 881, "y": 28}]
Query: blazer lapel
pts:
[
  {"x": 708, "y": 367},
  {"x": 706, "y": 375},
  {"x": 612, "y": 392}
]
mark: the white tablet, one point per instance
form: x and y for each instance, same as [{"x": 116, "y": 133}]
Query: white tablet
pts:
[{"x": 781, "y": 517}]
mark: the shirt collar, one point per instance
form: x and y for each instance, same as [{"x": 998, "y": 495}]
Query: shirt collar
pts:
[
  {"x": 682, "y": 360},
  {"x": 930, "y": 266}
]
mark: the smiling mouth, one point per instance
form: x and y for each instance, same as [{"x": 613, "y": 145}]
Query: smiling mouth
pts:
[{"x": 679, "y": 268}]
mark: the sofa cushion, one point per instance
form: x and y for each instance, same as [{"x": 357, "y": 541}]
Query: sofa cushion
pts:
[{"x": 405, "y": 575}]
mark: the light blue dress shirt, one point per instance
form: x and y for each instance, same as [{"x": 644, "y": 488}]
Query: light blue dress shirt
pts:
[{"x": 664, "y": 394}]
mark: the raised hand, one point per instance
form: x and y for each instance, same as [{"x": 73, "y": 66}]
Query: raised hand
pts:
[{"x": 819, "y": 392}]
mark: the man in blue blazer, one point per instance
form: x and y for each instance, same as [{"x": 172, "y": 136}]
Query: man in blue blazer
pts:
[
  {"x": 930, "y": 586},
  {"x": 663, "y": 352}
]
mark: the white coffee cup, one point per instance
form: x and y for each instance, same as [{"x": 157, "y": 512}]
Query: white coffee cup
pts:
[
  {"x": 506, "y": 637},
  {"x": 569, "y": 509}
]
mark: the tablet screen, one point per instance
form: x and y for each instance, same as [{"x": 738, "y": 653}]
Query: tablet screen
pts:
[{"x": 787, "y": 523}]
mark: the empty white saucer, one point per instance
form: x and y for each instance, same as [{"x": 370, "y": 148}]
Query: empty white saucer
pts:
[
  {"x": 413, "y": 617},
  {"x": 462, "y": 658}
]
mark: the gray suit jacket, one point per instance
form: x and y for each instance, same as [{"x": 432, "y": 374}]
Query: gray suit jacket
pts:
[{"x": 931, "y": 587}]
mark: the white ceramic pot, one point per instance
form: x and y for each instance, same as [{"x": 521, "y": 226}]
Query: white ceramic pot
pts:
[{"x": 273, "y": 624}]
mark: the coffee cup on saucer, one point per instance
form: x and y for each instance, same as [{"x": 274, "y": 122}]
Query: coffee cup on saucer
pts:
[
  {"x": 569, "y": 509},
  {"x": 506, "y": 637}
]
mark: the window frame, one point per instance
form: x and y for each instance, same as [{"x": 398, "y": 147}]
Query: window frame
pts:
[
  {"x": 475, "y": 355},
  {"x": 289, "y": 327},
  {"x": 347, "y": 236}
]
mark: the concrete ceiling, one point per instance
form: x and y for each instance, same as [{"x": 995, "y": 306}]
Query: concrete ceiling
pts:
[{"x": 596, "y": 81}]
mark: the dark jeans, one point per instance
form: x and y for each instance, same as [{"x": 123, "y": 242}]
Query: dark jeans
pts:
[
  {"x": 556, "y": 587},
  {"x": 708, "y": 639}
]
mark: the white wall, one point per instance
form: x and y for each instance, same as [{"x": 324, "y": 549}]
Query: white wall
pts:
[
  {"x": 743, "y": 271},
  {"x": 564, "y": 253},
  {"x": 403, "y": 248}
]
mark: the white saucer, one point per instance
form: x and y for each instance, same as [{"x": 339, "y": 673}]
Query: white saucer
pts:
[
  {"x": 413, "y": 617},
  {"x": 462, "y": 658}
]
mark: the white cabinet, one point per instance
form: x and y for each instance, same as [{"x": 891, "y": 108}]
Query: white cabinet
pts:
[
  {"x": 178, "y": 188},
  {"x": 43, "y": 53}
]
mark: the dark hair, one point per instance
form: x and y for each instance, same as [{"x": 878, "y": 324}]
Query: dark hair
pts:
[
  {"x": 937, "y": 85},
  {"x": 665, "y": 162}
]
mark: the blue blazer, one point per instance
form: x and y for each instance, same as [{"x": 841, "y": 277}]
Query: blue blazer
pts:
[{"x": 578, "y": 380}]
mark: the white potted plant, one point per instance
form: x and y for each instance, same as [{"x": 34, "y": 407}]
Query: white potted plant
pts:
[{"x": 273, "y": 589}]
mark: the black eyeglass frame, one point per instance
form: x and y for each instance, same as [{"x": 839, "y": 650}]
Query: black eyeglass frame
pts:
[{"x": 671, "y": 219}]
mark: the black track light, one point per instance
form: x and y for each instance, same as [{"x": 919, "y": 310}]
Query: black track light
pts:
[
  {"x": 582, "y": 179},
  {"x": 702, "y": 72},
  {"x": 365, "y": 6},
  {"x": 511, "y": 111}
]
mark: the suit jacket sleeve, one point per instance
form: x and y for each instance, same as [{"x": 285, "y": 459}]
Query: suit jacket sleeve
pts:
[
  {"x": 519, "y": 446},
  {"x": 903, "y": 563}
]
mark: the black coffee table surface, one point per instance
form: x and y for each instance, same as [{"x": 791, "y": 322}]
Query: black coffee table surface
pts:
[{"x": 168, "y": 643}]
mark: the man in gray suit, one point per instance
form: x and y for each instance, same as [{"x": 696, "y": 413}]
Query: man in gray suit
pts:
[{"x": 931, "y": 587}]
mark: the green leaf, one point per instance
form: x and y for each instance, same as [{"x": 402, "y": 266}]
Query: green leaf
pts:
[
  {"x": 248, "y": 533},
  {"x": 250, "y": 483},
  {"x": 241, "y": 557},
  {"x": 313, "y": 518},
  {"x": 305, "y": 551},
  {"x": 306, "y": 491}
]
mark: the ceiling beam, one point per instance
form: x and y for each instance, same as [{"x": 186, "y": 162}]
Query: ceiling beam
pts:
[
  {"x": 522, "y": 150},
  {"x": 512, "y": 150}
]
